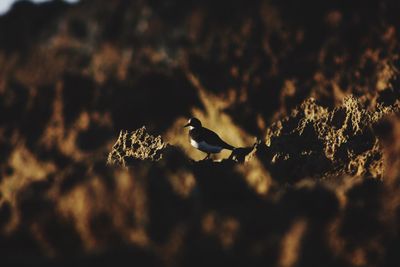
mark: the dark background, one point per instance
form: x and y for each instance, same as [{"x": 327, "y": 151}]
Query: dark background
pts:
[{"x": 73, "y": 76}]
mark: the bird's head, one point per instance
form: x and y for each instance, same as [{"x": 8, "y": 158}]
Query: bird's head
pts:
[{"x": 193, "y": 123}]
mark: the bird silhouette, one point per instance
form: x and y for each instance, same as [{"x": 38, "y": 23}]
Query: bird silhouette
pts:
[{"x": 204, "y": 139}]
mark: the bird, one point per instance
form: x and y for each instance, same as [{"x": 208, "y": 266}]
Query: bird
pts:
[{"x": 204, "y": 139}]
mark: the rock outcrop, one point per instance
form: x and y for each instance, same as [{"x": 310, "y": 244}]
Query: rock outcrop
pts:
[
  {"x": 312, "y": 142},
  {"x": 316, "y": 142},
  {"x": 136, "y": 145}
]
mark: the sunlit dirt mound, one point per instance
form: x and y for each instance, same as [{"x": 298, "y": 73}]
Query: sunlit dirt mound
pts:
[
  {"x": 308, "y": 92},
  {"x": 316, "y": 142},
  {"x": 137, "y": 145}
]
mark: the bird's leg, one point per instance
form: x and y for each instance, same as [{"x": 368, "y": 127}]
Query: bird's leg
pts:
[{"x": 207, "y": 157}]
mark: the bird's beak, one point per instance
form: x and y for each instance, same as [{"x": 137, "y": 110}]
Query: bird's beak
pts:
[{"x": 186, "y": 125}]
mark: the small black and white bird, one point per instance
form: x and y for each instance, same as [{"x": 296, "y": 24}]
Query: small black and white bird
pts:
[{"x": 204, "y": 139}]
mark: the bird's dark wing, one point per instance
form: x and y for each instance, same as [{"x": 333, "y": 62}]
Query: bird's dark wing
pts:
[
  {"x": 214, "y": 139},
  {"x": 196, "y": 134}
]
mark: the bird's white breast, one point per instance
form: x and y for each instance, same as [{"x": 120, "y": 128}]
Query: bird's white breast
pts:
[{"x": 203, "y": 146}]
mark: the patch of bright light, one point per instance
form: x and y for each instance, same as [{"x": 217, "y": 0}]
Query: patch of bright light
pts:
[{"x": 5, "y": 5}]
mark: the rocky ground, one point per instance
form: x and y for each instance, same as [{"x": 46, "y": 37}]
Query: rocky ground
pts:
[{"x": 96, "y": 169}]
